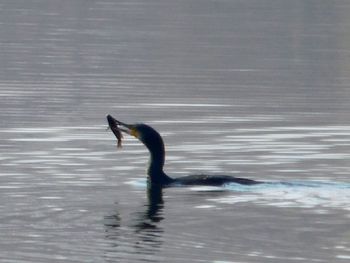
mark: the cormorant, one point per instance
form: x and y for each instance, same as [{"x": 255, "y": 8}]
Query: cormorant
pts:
[{"x": 154, "y": 143}]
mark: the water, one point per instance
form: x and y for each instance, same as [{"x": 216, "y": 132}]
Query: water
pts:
[{"x": 252, "y": 88}]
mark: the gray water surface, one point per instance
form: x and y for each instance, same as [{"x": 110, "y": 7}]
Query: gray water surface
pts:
[{"x": 253, "y": 88}]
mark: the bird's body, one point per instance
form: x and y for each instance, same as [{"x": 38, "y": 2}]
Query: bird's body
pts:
[
  {"x": 154, "y": 143},
  {"x": 212, "y": 180}
]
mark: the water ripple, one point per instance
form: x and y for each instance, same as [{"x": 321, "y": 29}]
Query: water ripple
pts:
[{"x": 304, "y": 194}]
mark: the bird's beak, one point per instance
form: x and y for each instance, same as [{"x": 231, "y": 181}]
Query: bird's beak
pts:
[{"x": 127, "y": 128}]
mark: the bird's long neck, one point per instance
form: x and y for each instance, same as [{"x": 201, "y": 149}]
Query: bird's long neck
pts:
[{"x": 156, "y": 164}]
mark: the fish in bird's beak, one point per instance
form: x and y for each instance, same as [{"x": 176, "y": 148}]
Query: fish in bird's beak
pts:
[{"x": 117, "y": 127}]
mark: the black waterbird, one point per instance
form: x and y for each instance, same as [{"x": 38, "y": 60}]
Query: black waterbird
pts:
[{"x": 154, "y": 143}]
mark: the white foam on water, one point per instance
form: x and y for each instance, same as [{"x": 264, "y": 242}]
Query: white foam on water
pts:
[{"x": 305, "y": 194}]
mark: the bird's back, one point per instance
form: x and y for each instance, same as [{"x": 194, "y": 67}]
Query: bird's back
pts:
[{"x": 212, "y": 180}]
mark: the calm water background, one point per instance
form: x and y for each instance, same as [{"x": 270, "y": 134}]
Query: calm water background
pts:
[{"x": 255, "y": 88}]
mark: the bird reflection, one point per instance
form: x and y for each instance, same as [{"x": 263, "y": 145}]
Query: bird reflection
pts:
[
  {"x": 142, "y": 233},
  {"x": 153, "y": 214}
]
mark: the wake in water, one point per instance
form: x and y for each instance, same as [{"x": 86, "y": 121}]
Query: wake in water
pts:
[{"x": 305, "y": 194}]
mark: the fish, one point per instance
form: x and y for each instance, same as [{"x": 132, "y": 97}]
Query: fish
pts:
[
  {"x": 119, "y": 136},
  {"x": 117, "y": 132}
]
